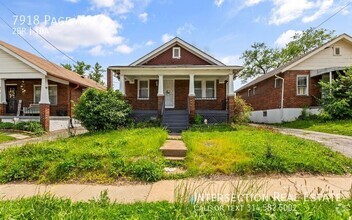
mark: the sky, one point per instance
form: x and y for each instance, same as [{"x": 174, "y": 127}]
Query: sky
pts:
[{"x": 118, "y": 32}]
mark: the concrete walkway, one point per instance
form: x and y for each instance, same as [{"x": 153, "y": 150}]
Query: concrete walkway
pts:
[
  {"x": 48, "y": 137},
  {"x": 340, "y": 143},
  {"x": 281, "y": 188}
]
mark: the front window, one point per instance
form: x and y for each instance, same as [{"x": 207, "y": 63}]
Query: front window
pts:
[
  {"x": 143, "y": 89},
  {"x": 52, "y": 94},
  {"x": 198, "y": 89},
  {"x": 205, "y": 89},
  {"x": 210, "y": 89},
  {"x": 302, "y": 85}
]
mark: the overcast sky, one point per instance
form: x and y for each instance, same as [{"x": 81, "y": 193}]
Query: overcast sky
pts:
[{"x": 117, "y": 32}]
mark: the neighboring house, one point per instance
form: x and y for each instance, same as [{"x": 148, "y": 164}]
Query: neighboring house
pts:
[
  {"x": 176, "y": 81},
  {"x": 33, "y": 88},
  {"x": 280, "y": 95}
]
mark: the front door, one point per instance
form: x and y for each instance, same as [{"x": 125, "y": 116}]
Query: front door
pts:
[
  {"x": 11, "y": 98},
  {"x": 169, "y": 92}
]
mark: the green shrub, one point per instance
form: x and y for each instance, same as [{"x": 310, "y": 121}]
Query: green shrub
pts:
[
  {"x": 102, "y": 110},
  {"x": 242, "y": 111},
  {"x": 152, "y": 123},
  {"x": 7, "y": 125},
  {"x": 31, "y": 126},
  {"x": 337, "y": 99},
  {"x": 198, "y": 119}
]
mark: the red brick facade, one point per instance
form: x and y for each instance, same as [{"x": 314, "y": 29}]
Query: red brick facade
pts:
[
  {"x": 65, "y": 93},
  {"x": 231, "y": 107},
  {"x": 269, "y": 97},
  {"x": 45, "y": 116},
  {"x": 187, "y": 58},
  {"x": 181, "y": 97}
]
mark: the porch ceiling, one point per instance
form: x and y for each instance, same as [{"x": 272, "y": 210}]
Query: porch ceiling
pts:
[{"x": 319, "y": 72}]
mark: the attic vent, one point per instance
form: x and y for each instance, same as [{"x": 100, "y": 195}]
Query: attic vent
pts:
[
  {"x": 337, "y": 51},
  {"x": 176, "y": 53}
]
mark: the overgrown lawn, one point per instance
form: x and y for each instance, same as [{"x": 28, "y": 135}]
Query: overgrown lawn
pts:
[
  {"x": 100, "y": 158},
  {"x": 332, "y": 127},
  {"x": 5, "y": 138},
  {"x": 249, "y": 150},
  {"x": 52, "y": 208}
]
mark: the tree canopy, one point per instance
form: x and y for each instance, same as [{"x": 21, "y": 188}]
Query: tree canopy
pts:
[
  {"x": 261, "y": 59},
  {"x": 95, "y": 73}
]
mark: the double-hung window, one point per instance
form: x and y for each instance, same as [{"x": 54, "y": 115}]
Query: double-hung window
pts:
[
  {"x": 205, "y": 89},
  {"x": 198, "y": 89},
  {"x": 302, "y": 85},
  {"x": 52, "y": 94},
  {"x": 143, "y": 89}
]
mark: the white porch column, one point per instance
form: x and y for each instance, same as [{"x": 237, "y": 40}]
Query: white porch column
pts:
[
  {"x": 191, "y": 85},
  {"x": 2, "y": 92},
  {"x": 230, "y": 85},
  {"x": 330, "y": 78},
  {"x": 44, "y": 92},
  {"x": 161, "y": 86},
  {"x": 122, "y": 84}
]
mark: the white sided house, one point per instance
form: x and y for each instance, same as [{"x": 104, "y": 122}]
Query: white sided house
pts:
[{"x": 281, "y": 94}]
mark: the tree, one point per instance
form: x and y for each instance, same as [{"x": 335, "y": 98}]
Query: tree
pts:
[
  {"x": 102, "y": 110},
  {"x": 67, "y": 66},
  {"x": 261, "y": 59},
  {"x": 96, "y": 73},
  {"x": 81, "y": 67},
  {"x": 337, "y": 98}
]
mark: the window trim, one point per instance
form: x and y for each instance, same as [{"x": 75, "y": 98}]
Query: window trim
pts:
[
  {"x": 307, "y": 77},
  {"x": 254, "y": 91},
  {"x": 276, "y": 84},
  {"x": 56, "y": 99},
  {"x": 204, "y": 89},
  {"x": 339, "y": 54},
  {"x": 138, "y": 87},
  {"x": 249, "y": 92},
  {"x": 179, "y": 52}
]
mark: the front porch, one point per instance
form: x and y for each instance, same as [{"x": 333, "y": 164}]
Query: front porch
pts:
[
  {"x": 160, "y": 96},
  {"x": 35, "y": 99}
]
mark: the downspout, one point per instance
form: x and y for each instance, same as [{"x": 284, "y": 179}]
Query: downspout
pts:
[{"x": 282, "y": 96}]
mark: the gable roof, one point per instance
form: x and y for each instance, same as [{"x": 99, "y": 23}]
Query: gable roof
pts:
[
  {"x": 52, "y": 69},
  {"x": 182, "y": 43},
  {"x": 296, "y": 61}
]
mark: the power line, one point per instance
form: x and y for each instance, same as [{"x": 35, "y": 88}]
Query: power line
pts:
[
  {"x": 46, "y": 40},
  {"x": 24, "y": 39},
  {"x": 333, "y": 15}
]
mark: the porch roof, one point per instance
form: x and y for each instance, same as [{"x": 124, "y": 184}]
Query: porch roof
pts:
[
  {"x": 158, "y": 69},
  {"x": 48, "y": 67}
]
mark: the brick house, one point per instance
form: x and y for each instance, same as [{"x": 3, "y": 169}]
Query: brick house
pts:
[
  {"x": 280, "y": 95},
  {"x": 32, "y": 88},
  {"x": 175, "y": 82}
]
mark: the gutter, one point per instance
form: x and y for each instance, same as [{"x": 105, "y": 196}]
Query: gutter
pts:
[{"x": 282, "y": 95}]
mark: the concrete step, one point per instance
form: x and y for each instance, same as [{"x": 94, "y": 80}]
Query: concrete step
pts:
[
  {"x": 175, "y": 158},
  {"x": 174, "y": 148}
]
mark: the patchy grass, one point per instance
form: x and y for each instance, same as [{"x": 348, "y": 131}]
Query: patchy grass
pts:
[
  {"x": 5, "y": 138},
  {"x": 101, "y": 157},
  {"x": 332, "y": 127},
  {"x": 52, "y": 208},
  {"x": 250, "y": 150}
]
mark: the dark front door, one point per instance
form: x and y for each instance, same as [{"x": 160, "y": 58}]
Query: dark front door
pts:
[{"x": 11, "y": 98}]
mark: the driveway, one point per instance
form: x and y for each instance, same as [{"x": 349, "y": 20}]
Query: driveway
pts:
[{"x": 340, "y": 143}]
